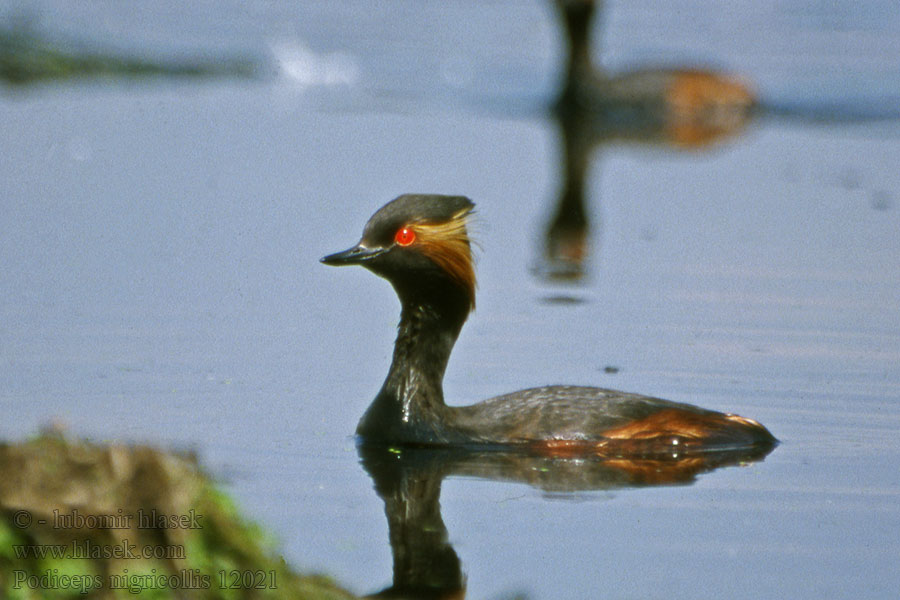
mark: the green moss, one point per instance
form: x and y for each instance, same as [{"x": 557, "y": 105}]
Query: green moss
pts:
[
  {"x": 221, "y": 555},
  {"x": 27, "y": 58}
]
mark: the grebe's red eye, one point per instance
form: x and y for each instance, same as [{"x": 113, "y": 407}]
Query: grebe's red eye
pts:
[{"x": 405, "y": 236}]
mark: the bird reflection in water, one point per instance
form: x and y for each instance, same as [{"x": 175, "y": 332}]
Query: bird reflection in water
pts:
[
  {"x": 681, "y": 108},
  {"x": 408, "y": 480}
]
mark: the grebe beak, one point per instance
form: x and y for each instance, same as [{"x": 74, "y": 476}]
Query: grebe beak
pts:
[{"x": 353, "y": 256}]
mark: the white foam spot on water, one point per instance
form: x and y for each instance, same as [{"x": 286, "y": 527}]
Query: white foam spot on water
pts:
[{"x": 298, "y": 64}]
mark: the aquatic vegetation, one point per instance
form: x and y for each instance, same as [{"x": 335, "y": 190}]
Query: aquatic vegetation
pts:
[
  {"x": 88, "y": 520},
  {"x": 27, "y": 58}
]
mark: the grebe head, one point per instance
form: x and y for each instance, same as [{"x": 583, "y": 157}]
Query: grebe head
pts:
[{"x": 420, "y": 244}]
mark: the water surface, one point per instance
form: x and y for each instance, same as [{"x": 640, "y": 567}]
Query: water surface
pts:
[{"x": 160, "y": 242}]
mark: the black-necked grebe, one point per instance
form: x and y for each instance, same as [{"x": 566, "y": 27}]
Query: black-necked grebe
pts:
[
  {"x": 693, "y": 104},
  {"x": 420, "y": 244}
]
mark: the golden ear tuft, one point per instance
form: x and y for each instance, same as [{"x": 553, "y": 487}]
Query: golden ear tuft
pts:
[{"x": 448, "y": 245}]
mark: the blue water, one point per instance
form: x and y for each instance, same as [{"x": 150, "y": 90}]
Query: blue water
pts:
[{"x": 159, "y": 248}]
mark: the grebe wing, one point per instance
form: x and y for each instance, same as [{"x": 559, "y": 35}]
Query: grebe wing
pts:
[{"x": 563, "y": 412}]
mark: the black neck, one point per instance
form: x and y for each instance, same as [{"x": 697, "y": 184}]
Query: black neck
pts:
[
  {"x": 410, "y": 406},
  {"x": 577, "y": 17}
]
